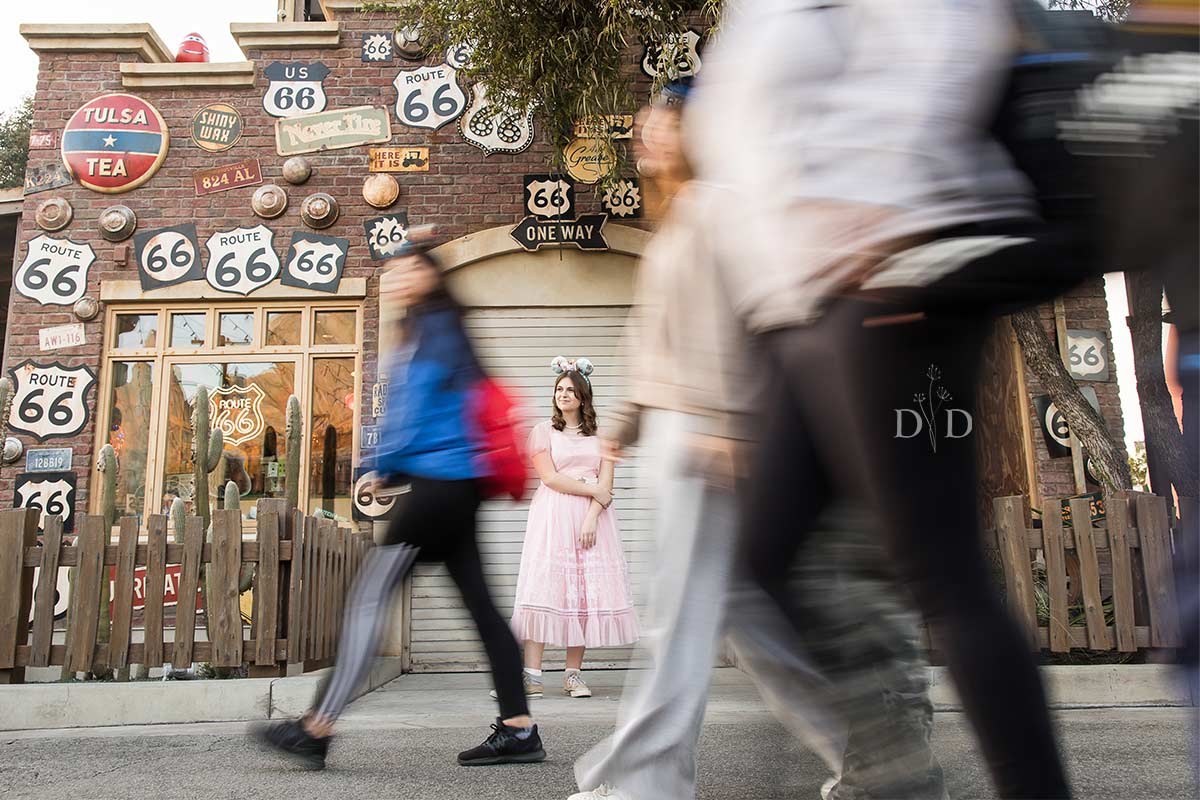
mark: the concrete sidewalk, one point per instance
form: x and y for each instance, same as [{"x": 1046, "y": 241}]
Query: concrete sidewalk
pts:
[{"x": 399, "y": 741}]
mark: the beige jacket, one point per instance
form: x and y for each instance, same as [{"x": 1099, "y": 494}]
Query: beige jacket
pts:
[{"x": 683, "y": 345}]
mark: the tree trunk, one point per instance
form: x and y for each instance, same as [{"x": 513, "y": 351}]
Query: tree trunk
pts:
[
  {"x": 1044, "y": 361},
  {"x": 1164, "y": 440}
]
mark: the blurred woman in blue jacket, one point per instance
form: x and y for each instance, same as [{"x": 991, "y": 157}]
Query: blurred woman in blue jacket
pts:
[{"x": 429, "y": 445}]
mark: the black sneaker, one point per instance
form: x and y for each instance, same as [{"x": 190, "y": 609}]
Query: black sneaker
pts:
[
  {"x": 290, "y": 739},
  {"x": 503, "y": 747}
]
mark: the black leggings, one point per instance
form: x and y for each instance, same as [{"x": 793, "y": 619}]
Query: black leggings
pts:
[
  {"x": 843, "y": 417},
  {"x": 435, "y": 521}
]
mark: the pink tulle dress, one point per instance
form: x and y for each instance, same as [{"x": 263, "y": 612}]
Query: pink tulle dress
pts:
[{"x": 568, "y": 596}]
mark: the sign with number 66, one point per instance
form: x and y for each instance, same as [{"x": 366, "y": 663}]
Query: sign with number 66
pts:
[
  {"x": 49, "y": 399},
  {"x": 429, "y": 97},
  {"x": 167, "y": 255},
  {"x": 385, "y": 235},
  {"x": 315, "y": 261},
  {"x": 54, "y": 271},
  {"x": 241, "y": 260},
  {"x": 1087, "y": 355},
  {"x": 549, "y": 196},
  {"x": 51, "y": 493},
  {"x": 367, "y": 504},
  {"x": 623, "y": 199}
]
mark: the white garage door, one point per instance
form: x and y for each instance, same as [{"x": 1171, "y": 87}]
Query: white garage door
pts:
[{"x": 517, "y": 345}]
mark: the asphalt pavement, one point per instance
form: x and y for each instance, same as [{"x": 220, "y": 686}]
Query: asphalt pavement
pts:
[{"x": 400, "y": 742}]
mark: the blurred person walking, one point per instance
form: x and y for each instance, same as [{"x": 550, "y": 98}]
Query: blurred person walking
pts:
[
  {"x": 874, "y": 226},
  {"x": 429, "y": 444},
  {"x": 689, "y": 407},
  {"x": 573, "y": 586}
]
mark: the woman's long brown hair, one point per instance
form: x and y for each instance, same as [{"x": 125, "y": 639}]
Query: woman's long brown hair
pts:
[{"x": 587, "y": 411}]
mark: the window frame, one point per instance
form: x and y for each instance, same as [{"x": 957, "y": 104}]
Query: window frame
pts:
[{"x": 162, "y": 357}]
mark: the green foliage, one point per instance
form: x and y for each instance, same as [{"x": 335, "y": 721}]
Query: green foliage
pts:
[
  {"x": 178, "y": 514},
  {"x": 14, "y": 143},
  {"x": 1107, "y": 10},
  {"x": 1139, "y": 467},
  {"x": 569, "y": 59}
]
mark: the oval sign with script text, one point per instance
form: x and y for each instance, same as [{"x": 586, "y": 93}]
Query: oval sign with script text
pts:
[{"x": 589, "y": 160}]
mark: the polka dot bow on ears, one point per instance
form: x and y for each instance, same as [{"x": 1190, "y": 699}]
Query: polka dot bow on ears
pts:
[{"x": 580, "y": 366}]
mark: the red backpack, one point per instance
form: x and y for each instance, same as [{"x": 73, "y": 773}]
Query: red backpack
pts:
[{"x": 503, "y": 457}]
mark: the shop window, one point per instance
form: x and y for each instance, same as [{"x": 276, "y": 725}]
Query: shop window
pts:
[
  {"x": 235, "y": 329},
  {"x": 135, "y": 331},
  {"x": 187, "y": 331},
  {"x": 129, "y": 432},
  {"x": 248, "y": 404},
  {"x": 334, "y": 327},
  {"x": 283, "y": 328},
  {"x": 332, "y": 434},
  {"x": 251, "y": 357}
]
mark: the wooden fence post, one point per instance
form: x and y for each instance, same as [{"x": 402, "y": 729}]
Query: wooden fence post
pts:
[
  {"x": 1018, "y": 571},
  {"x": 156, "y": 573},
  {"x": 1089, "y": 571},
  {"x": 18, "y": 532},
  {"x": 43, "y": 601},
  {"x": 266, "y": 586},
  {"x": 1056, "y": 579},
  {"x": 189, "y": 585},
  {"x": 85, "y": 602},
  {"x": 1154, "y": 531},
  {"x": 1116, "y": 513},
  {"x": 295, "y": 608},
  {"x": 122, "y": 613},
  {"x": 224, "y": 614}
]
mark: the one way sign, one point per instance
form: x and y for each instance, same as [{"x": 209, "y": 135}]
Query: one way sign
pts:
[{"x": 586, "y": 233}]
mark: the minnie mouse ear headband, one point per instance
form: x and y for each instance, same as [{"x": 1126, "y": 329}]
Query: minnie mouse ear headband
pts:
[{"x": 579, "y": 366}]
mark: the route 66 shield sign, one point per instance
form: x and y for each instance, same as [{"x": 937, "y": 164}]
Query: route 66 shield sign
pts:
[
  {"x": 295, "y": 89},
  {"x": 678, "y": 56},
  {"x": 493, "y": 128},
  {"x": 549, "y": 196},
  {"x": 51, "y": 493},
  {"x": 167, "y": 256},
  {"x": 50, "y": 399},
  {"x": 368, "y": 505},
  {"x": 237, "y": 412},
  {"x": 315, "y": 261},
  {"x": 241, "y": 260},
  {"x": 428, "y": 97},
  {"x": 54, "y": 271},
  {"x": 386, "y": 234}
]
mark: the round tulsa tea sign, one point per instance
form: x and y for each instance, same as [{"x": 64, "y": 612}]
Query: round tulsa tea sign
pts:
[{"x": 114, "y": 143}]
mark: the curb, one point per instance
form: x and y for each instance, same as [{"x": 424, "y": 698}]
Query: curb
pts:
[
  {"x": 38, "y": 706},
  {"x": 1089, "y": 686}
]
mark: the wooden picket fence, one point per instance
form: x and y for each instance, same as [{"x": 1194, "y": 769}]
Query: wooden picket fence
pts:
[
  {"x": 1134, "y": 538},
  {"x": 303, "y": 570}
]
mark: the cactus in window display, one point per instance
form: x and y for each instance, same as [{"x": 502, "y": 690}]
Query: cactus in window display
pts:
[
  {"x": 108, "y": 468},
  {"x": 6, "y": 396},
  {"x": 291, "y": 476},
  {"x": 207, "y": 448},
  {"x": 178, "y": 515}
]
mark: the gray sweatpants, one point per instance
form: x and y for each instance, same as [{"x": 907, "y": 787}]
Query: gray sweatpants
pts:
[
  {"x": 868, "y": 717},
  {"x": 652, "y": 754}
]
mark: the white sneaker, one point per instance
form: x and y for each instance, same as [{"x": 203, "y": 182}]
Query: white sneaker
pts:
[
  {"x": 601, "y": 792},
  {"x": 533, "y": 687},
  {"x": 574, "y": 686},
  {"x": 828, "y": 787}
]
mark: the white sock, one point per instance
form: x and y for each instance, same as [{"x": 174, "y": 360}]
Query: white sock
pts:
[
  {"x": 533, "y": 673},
  {"x": 576, "y": 671}
]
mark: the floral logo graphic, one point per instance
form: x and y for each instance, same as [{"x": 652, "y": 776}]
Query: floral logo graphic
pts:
[{"x": 930, "y": 404}]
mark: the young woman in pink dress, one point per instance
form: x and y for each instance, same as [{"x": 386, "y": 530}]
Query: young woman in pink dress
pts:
[{"x": 573, "y": 588}]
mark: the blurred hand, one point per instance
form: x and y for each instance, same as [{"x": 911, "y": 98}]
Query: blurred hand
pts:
[
  {"x": 716, "y": 458},
  {"x": 610, "y": 450},
  {"x": 587, "y": 536}
]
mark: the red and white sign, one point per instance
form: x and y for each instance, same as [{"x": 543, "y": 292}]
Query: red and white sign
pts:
[
  {"x": 171, "y": 579},
  {"x": 114, "y": 143}
]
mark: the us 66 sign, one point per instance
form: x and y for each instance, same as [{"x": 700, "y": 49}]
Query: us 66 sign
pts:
[
  {"x": 51, "y": 493},
  {"x": 54, "y": 271},
  {"x": 1087, "y": 355},
  {"x": 241, "y": 260},
  {"x": 50, "y": 399},
  {"x": 428, "y": 97},
  {"x": 549, "y": 196}
]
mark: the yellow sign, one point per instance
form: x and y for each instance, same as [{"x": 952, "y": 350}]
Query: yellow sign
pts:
[
  {"x": 608, "y": 126},
  {"x": 589, "y": 160},
  {"x": 399, "y": 159}
]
